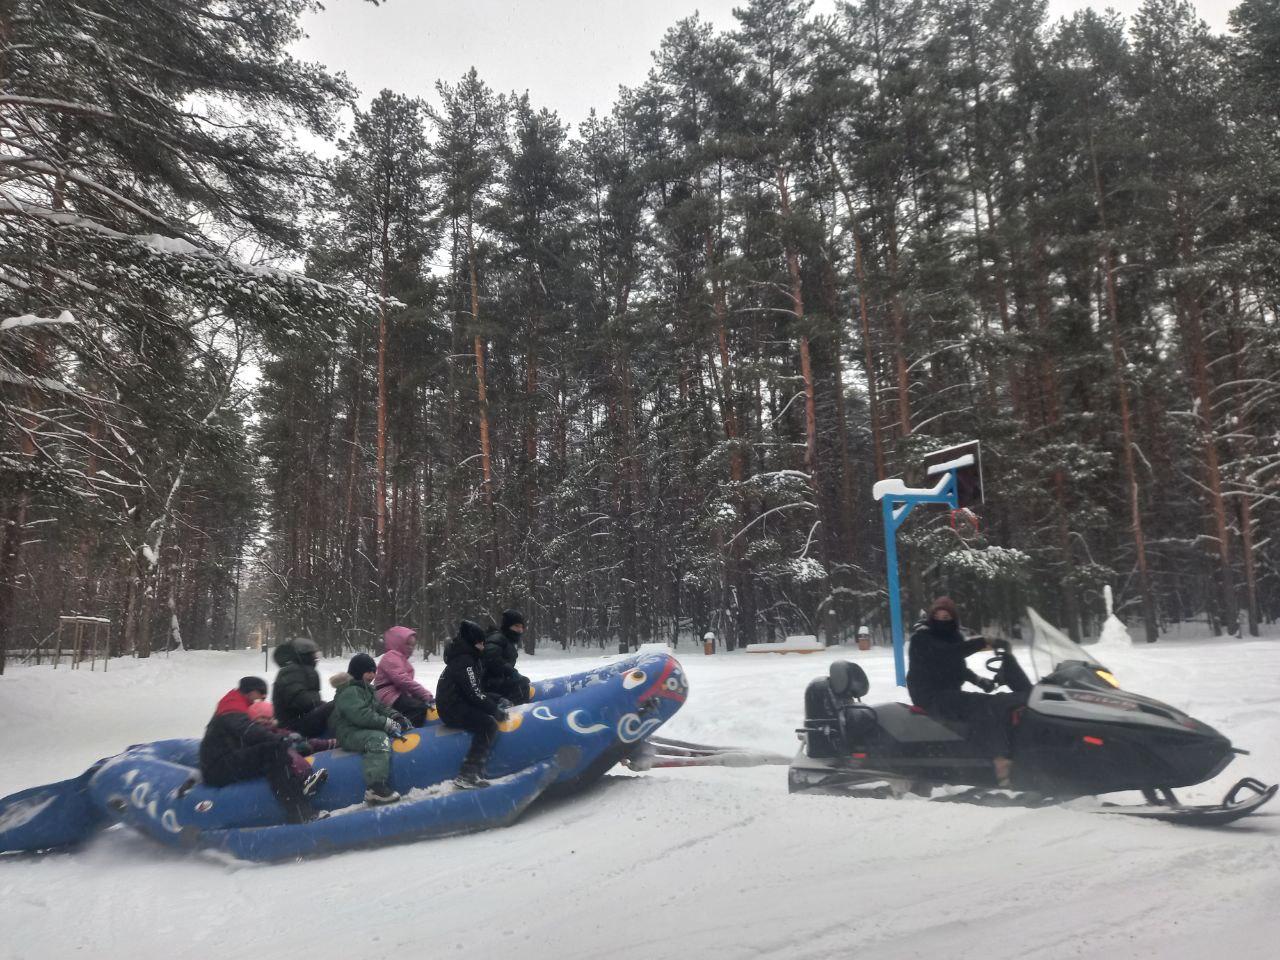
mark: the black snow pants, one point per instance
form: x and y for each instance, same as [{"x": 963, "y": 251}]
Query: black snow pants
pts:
[
  {"x": 313, "y": 723},
  {"x": 484, "y": 731},
  {"x": 270, "y": 760},
  {"x": 411, "y": 707},
  {"x": 989, "y": 716}
]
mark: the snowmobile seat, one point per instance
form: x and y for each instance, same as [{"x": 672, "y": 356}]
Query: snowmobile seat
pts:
[{"x": 848, "y": 681}]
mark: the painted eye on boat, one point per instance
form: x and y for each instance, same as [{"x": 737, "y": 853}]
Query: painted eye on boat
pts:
[
  {"x": 634, "y": 679},
  {"x": 672, "y": 683}
]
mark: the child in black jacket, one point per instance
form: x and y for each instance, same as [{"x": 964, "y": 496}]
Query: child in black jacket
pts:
[
  {"x": 462, "y": 702},
  {"x": 235, "y": 748}
]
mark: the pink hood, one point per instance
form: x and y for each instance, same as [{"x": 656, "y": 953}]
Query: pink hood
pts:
[
  {"x": 397, "y": 639},
  {"x": 395, "y": 673}
]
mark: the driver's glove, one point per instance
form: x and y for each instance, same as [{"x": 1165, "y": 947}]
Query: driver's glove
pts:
[{"x": 985, "y": 685}]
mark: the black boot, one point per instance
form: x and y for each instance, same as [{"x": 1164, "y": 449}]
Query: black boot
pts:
[
  {"x": 379, "y": 794},
  {"x": 469, "y": 778},
  {"x": 314, "y": 782}
]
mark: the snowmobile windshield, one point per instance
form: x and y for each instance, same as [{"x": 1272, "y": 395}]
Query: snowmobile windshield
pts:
[{"x": 1050, "y": 648}]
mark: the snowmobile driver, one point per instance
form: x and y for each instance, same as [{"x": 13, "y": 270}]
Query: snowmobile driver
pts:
[{"x": 936, "y": 671}]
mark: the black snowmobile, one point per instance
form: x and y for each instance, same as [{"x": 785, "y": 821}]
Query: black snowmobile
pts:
[{"x": 1079, "y": 735}]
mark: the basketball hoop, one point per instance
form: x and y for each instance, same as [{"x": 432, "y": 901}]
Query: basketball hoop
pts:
[{"x": 965, "y": 524}]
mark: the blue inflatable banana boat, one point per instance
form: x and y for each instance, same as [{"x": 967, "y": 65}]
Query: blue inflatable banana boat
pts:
[{"x": 572, "y": 731}]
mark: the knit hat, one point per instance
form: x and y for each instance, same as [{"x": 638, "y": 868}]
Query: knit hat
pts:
[
  {"x": 262, "y": 710},
  {"x": 248, "y": 685},
  {"x": 511, "y": 617},
  {"x": 361, "y": 664}
]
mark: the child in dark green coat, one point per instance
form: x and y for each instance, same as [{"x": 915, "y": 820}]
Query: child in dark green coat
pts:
[{"x": 364, "y": 725}]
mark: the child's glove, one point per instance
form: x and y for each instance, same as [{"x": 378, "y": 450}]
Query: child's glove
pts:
[
  {"x": 404, "y": 721},
  {"x": 501, "y": 716},
  {"x": 394, "y": 729},
  {"x": 987, "y": 686},
  {"x": 317, "y": 744}
]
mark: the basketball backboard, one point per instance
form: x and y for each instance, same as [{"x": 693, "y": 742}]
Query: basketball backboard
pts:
[{"x": 966, "y": 460}]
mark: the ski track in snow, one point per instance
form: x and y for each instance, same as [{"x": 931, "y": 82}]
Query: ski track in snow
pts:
[{"x": 710, "y": 862}]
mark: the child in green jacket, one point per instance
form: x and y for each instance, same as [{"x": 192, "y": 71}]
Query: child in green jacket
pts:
[{"x": 364, "y": 725}]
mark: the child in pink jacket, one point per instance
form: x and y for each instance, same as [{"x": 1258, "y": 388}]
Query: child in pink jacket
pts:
[{"x": 394, "y": 684}]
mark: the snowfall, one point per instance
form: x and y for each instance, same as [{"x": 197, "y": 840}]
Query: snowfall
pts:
[{"x": 707, "y": 863}]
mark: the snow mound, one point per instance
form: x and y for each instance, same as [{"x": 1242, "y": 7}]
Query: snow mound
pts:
[
  {"x": 798, "y": 643},
  {"x": 1114, "y": 634}
]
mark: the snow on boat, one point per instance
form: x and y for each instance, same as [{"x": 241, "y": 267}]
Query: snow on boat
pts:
[{"x": 573, "y": 730}]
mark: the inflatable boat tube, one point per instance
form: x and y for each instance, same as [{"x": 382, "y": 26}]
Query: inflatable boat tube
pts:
[{"x": 574, "y": 729}]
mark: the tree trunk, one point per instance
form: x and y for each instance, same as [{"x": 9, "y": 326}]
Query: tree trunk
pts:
[
  {"x": 1049, "y": 394},
  {"x": 806, "y": 369},
  {"x": 482, "y": 408},
  {"x": 1197, "y": 360},
  {"x": 899, "y": 334},
  {"x": 1237, "y": 347},
  {"x": 1150, "y": 623},
  {"x": 380, "y": 507},
  {"x": 864, "y": 321},
  {"x": 15, "y": 520}
]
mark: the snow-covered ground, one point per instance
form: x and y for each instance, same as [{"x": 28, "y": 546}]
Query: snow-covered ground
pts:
[{"x": 709, "y": 863}]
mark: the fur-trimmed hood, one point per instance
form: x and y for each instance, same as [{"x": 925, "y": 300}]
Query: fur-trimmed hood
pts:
[{"x": 339, "y": 680}]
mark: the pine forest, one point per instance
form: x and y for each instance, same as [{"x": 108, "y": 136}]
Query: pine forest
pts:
[{"x": 636, "y": 376}]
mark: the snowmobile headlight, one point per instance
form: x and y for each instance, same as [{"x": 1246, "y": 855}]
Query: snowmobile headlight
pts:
[{"x": 1108, "y": 677}]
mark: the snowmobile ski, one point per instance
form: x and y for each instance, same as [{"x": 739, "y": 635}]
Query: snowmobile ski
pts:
[{"x": 1162, "y": 805}]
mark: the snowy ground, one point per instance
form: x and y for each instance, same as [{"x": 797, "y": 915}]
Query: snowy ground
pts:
[{"x": 712, "y": 863}]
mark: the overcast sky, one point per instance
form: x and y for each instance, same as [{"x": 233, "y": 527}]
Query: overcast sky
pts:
[{"x": 570, "y": 55}]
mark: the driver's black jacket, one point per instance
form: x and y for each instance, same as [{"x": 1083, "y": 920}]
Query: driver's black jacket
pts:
[{"x": 936, "y": 662}]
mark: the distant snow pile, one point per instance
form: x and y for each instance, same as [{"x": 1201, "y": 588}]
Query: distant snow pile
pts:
[
  {"x": 797, "y": 643},
  {"x": 656, "y": 647},
  {"x": 1114, "y": 632}
]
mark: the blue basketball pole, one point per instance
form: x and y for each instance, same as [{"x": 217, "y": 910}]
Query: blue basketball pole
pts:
[{"x": 896, "y": 503}]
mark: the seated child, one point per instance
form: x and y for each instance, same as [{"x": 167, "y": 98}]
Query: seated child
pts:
[
  {"x": 363, "y": 722},
  {"x": 502, "y": 680},
  {"x": 394, "y": 683},
  {"x": 462, "y": 702},
  {"x": 299, "y": 746},
  {"x": 296, "y": 691},
  {"x": 235, "y": 748}
]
